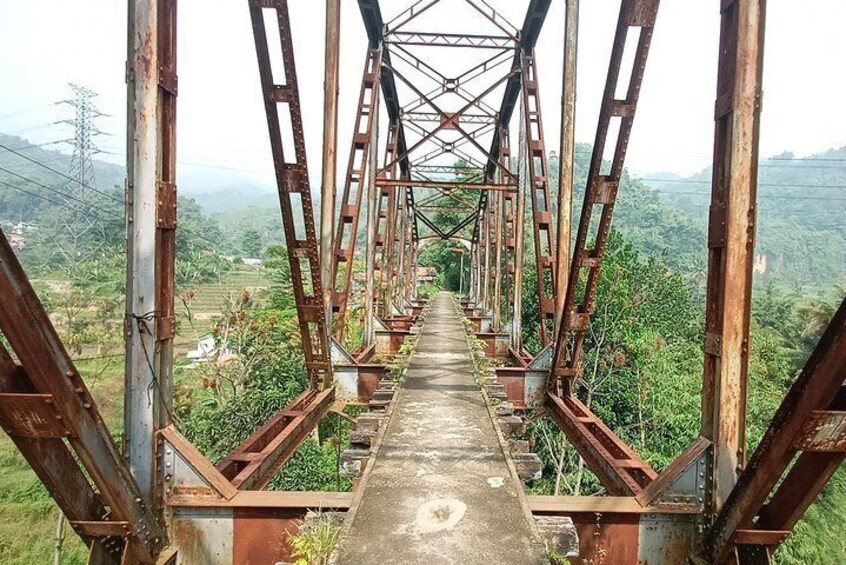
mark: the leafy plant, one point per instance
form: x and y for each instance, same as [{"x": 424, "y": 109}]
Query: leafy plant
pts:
[{"x": 314, "y": 542}]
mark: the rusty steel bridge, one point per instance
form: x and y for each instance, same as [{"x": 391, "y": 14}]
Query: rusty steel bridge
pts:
[{"x": 159, "y": 500}]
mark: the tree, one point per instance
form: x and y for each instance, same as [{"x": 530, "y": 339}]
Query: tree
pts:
[{"x": 251, "y": 244}]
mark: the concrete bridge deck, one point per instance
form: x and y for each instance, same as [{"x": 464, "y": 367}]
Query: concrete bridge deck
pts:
[{"x": 440, "y": 490}]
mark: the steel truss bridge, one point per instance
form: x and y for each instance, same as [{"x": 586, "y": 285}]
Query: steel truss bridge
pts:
[{"x": 160, "y": 499}]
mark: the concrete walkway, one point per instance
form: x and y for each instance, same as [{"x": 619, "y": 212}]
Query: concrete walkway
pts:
[{"x": 440, "y": 490}]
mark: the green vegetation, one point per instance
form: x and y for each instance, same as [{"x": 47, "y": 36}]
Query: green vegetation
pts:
[
  {"x": 643, "y": 357},
  {"x": 314, "y": 542}
]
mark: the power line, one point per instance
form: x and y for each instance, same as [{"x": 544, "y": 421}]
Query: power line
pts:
[
  {"x": 43, "y": 144},
  {"x": 62, "y": 194},
  {"x": 27, "y": 111},
  {"x": 35, "y": 194},
  {"x": 41, "y": 164},
  {"x": 765, "y": 196},
  {"x": 691, "y": 181}
]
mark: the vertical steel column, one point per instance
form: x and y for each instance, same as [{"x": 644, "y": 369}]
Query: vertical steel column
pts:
[
  {"x": 731, "y": 240},
  {"x": 537, "y": 184},
  {"x": 519, "y": 228},
  {"x": 372, "y": 196},
  {"x": 566, "y": 154},
  {"x": 151, "y": 234},
  {"x": 496, "y": 302},
  {"x": 330, "y": 153},
  {"x": 399, "y": 287},
  {"x": 387, "y": 212},
  {"x": 509, "y": 207},
  {"x": 486, "y": 275}
]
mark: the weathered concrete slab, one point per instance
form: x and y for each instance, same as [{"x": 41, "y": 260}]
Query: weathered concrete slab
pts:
[{"x": 440, "y": 491}]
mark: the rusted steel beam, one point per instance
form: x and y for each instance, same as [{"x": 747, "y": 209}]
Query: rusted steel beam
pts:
[
  {"x": 76, "y": 418},
  {"x": 448, "y": 185},
  {"x": 537, "y": 182},
  {"x": 731, "y": 240},
  {"x": 257, "y": 460},
  {"x": 355, "y": 186},
  {"x": 330, "y": 155},
  {"x": 151, "y": 235},
  {"x": 620, "y": 470},
  {"x": 820, "y": 386},
  {"x": 281, "y": 94},
  {"x": 566, "y": 155},
  {"x": 50, "y": 457},
  {"x": 385, "y": 237},
  {"x": 509, "y": 235},
  {"x": 637, "y": 19}
]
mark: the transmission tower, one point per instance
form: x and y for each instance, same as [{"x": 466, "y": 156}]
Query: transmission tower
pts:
[{"x": 83, "y": 228}]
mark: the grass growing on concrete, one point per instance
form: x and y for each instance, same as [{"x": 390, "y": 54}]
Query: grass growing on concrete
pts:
[{"x": 316, "y": 539}]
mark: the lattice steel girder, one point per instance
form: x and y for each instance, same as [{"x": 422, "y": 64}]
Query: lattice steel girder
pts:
[
  {"x": 636, "y": 17},
  {"x": 452, "y": 124},
  {"x": 427, "y": 39},
  {"x": 538, "y": 184},
  {"x": 620, "y": 470},
  {"x": 65, "y": 410},
  {"x": 253, "y": 464},
  {"x": 795, "y": 427},
  {"x": 281, "y": 94},
  {"x": 452, "y": 84},
  {"x": 449, "y": 185},
  {"x": 346, "y": 235}
]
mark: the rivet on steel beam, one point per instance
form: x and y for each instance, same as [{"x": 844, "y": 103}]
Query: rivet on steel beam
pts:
[{"x": 69, "y": 374}]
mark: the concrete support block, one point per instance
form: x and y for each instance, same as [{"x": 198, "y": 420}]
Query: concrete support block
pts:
[
  {"x": 363, "y": 438},
  {"x": 518, "y": 446},
  {"x": 379, "y": 405},
  {"x": 496, "y": 391},
  {"x": 353, "y": 461},
  {"x": 529, "y": 465},
  {"x": 383, "y": 394},
  {"x": 559, "y": 534},
  {"x": 512, "y": 426},
  {"x": 369, "y": 422},
  {"x": 504, "y": 409}
]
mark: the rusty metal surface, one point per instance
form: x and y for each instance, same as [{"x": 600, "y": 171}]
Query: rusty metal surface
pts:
[
  {"x": 566, "y": 155},
  {"x": 731, "y": 240},
  {"x": 621, "y": 471},
  {"x": 354, "y": 186},
  {"x": 293, "y": 185},
  {"x": 49, "y": 370},
  {"x": 151, "y": 200},
  {"x": 818, "y": 386},
  {"x": 255, "y": 462},
  {"x": 636, "y": 16}
]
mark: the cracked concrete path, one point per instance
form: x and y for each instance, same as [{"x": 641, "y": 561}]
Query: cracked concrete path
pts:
[{"x": 440, "y": 491}]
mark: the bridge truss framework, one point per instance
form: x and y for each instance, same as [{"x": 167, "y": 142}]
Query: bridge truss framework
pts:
[{"x": 713, "y": 501}]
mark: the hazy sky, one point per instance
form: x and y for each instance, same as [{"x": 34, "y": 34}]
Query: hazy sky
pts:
[{"x": 44, "y": 44}]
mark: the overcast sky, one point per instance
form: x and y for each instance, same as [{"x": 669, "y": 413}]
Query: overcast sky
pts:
[{"x": 44, "y": 44}]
